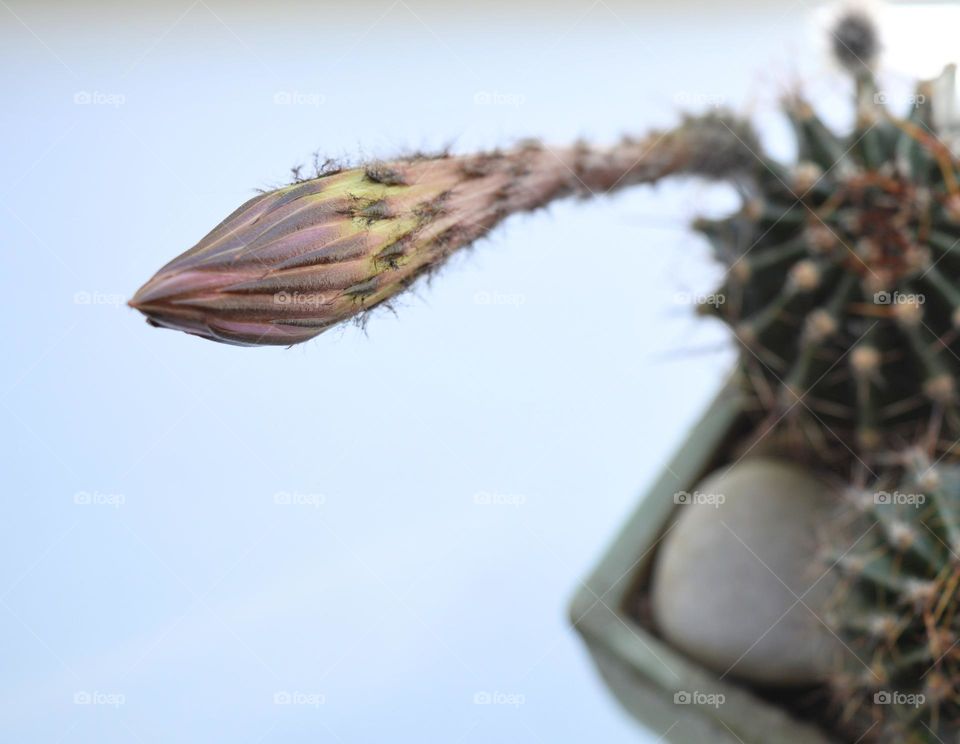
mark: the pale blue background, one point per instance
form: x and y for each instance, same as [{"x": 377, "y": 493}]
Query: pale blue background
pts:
[{"x": 399, "y": 598}]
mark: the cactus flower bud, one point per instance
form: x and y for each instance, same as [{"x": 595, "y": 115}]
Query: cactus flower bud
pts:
[{"x": 293, "y": 262}]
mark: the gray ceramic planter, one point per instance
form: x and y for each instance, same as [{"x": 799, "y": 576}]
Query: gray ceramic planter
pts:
[{"x": 669, "y": 693}]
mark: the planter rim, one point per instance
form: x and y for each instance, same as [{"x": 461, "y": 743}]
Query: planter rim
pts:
[{"x": 597, "y": 609}]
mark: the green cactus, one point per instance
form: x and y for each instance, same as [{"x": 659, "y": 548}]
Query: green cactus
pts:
[
  {"x": 896, "y": 548},
  {"x": 842, "y": 270}
]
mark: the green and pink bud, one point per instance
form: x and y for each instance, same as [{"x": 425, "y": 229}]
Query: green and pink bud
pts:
[{"x": 291, "y": 263}]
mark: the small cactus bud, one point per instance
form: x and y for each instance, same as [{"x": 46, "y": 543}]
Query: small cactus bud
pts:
[
  {"x": 754, "y": 209},
  {"x": 909, "y": 313},
  {"x": 741, "y": 271},
  {"x": 919, "y": 592},
  {"x": 861, "y": 499},
  {"x": 853, "y": 565},
  {"x": 865, "y": 361},
  {"x": 941, "y": 388},
  {"x": 868, "y": 438},
  {"x": 789, "y": 396},
  {"x": 746, "y": 334},
  {"x": 805, "y": 276},
  {"x": 882, "y": 626},
  {"x": 951, "y": 207},
  {"x": 806, "y": 174},
  {"x": 901, "y": 535},
  {"x": 819, "y": 326},
  {"x": 856, "y": 42},
  {"x": 821, "y": 238},
  {"x": 929, "y": 479},
  {"x": 939, "y": 688}
]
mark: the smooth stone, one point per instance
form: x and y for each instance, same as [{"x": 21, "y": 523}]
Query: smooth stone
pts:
[{"x": 727, "y": 575}]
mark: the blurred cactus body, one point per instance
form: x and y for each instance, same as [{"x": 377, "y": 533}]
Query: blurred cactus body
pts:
[
  {"x": 841, "y": 269},
  {"x": 897, "y": 548}
]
